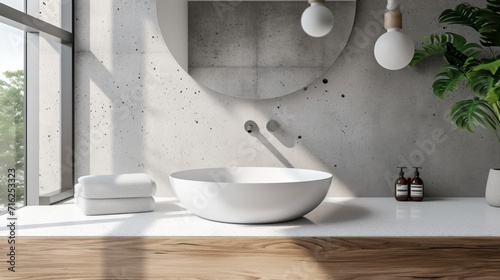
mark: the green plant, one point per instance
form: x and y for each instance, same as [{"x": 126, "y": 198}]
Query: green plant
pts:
[
  {"x": 11, "y": 134},
  {"x": 476, "y": 65}
]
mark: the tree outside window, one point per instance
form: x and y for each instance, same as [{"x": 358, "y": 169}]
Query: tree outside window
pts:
[{"x": 12, "y": 134}]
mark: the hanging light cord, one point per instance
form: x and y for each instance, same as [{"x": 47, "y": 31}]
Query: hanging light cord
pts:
[{"x": 393, "y": 5}]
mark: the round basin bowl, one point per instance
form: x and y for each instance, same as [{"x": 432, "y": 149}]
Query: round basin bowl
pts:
[{"x": 250, "y": 195}]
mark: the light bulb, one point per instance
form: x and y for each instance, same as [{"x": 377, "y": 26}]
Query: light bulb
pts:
[
  {"x": 394, "y": 49},
  {"x": 317, "y": 20}
]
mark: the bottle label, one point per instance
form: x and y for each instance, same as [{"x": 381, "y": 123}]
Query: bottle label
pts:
[
  {"x": 417, "y": 191},
  {"x": 401, "y": 190}
]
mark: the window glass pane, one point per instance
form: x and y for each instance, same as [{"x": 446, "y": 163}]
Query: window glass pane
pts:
[
  {"x": 16, "y": 4},
  {"x": 11, "y": 116},
  {"x": 50, "y": 116}
]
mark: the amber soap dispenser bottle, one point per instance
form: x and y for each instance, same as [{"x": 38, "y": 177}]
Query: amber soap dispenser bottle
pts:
[
  {"x": 401, "y": 186},
  {"x": 417, "y": 187}
]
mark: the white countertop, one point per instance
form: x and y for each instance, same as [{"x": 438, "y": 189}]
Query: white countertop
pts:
[{"x": 342, "y": 217}]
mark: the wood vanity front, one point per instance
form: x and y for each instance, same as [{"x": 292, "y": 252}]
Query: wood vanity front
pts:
[{"x": 255, "y": 258}]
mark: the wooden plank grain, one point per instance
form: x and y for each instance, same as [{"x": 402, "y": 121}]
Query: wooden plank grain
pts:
[{"x": 254, "y": 258}]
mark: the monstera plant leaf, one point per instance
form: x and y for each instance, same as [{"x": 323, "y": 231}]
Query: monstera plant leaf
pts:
[
  {"x": 439, "y": 45},
  {"x": 474, "y": 112},
  {"x": 481, "y": 73},
  {"x": 480, "y": 82},
  {"x": 485, "y": 21},
  {"x": 447, "y": 80},
  {"x": 493, "y": 95},
  {"x": 464, "y": 14},
  {"x": 494, "y": 5},
  {"x": 490, "y": 29},
  {"x": 484, "y": 80},
  {"x": 489, "y": 19},
  {"x": 492, "y": 67}
]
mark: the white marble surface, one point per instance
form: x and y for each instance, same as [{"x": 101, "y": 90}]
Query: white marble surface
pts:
[{"x": 334, "y": 217}]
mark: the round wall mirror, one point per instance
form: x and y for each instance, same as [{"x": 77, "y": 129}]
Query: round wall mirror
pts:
[{"x": 251, "y": 49}]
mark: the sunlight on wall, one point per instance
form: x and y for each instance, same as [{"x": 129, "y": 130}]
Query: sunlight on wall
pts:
[
  {"x": 101, "y": 14},
  {"x": 99, "y": 137}
]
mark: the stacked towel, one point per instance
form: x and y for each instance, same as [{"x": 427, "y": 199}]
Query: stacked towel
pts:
[
  {"x": 105, "y": 206},
  {"x": 115, "y": 194}
]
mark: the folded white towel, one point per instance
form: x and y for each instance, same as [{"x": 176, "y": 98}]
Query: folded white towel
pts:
[
  {"x": 115, "y": 205},
  {"x": 115, "y": 186}
]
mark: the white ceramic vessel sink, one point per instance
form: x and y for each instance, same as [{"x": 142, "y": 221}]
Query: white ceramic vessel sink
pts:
[{"x": 250, "y": 195}]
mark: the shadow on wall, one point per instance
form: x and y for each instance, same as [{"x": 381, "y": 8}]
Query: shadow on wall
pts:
[{"x": 273, "y": 150}]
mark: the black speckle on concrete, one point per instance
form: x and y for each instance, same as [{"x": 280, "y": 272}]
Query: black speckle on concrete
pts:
[{"x": 325, "y": 81}]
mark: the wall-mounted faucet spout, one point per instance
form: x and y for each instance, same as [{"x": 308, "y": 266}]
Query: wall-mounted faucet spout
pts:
[{"x": 251, "y": 127}]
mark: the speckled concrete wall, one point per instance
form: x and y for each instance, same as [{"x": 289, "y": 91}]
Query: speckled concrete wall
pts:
[
  {"x": 50, "y": 91},
  {"x": 258, "y": 50},
  {"x": 137, "y": 111},
  {"x": 50, "y": 115}
]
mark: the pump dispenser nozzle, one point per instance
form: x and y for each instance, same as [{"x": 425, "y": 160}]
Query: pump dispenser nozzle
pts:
[
  {"x": 401, "y": 172},
  {"x": 416, "y": 171}
]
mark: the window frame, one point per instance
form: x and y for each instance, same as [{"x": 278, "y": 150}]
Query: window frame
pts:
[{"x": 33, "y": 28}]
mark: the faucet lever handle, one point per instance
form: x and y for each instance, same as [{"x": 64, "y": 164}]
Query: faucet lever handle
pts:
[{"x": 272, "y": 125}]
